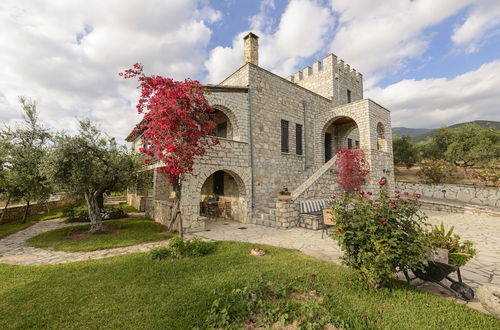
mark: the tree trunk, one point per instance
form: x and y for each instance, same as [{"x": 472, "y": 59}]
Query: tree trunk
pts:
[
  {"x": 5, "y": 210},
  {"x": 26, "y": 212},
  {"x": 96, "y": 225},
  {"x": 100, "y": 201},
  {"x": 176, "y": 209}
]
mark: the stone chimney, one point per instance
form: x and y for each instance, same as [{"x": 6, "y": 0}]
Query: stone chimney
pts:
[{"x": 251, "y": 49}]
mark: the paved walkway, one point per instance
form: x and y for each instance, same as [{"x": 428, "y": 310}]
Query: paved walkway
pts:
[
  {"x": 484, "y": 231},
  {"x": 13, "y": 249}
]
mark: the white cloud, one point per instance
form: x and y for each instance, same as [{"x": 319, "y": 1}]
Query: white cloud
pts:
[
  {"x": 484, "y": 16},
  {"x": 378, "y": 37},
  {"x": 436, "y": 102},
  {"x": 67, "y": 55},
  {"x": 302, "y": 31}
]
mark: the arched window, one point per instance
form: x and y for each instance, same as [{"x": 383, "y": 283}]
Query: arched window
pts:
[{"x": 381, "y": 142}]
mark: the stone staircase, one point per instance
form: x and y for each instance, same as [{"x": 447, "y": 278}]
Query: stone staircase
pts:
[
  {"x": 267, "y": 216},
  {"x": 312, "y": 179}
]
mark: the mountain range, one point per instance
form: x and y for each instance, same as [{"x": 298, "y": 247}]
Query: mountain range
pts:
[{"x": 422, "y": 134}]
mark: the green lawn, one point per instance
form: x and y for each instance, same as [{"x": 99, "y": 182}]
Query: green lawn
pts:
[
  {"x": 15, "y": 226},
  {"x": 119, "y": 233},
  {"x": 134, "y": 292}
]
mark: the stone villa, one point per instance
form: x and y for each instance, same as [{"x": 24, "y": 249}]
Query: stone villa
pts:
[{"x": 275, "y": 132}]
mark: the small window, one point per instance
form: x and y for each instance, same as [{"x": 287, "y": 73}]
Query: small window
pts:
[
  {"x": 356, "y": 143},
  {"x": 219, "y": 183},
  {"x": 349, "y": 143},
  {"x": 298, "y": 139},
  {"x": 348, "y": 96},
  {"x": 328, "y": 147},
  {"x": 221, "y": 130},
  {"x": 284, "y": 136}
]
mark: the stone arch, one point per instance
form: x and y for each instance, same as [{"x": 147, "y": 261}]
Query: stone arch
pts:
[
  {"x": 336, "y": 134},
  {"x": 233, "y": 121},
  {"x": 235, "y": 192},
  {"x": 381, "y": 138}
]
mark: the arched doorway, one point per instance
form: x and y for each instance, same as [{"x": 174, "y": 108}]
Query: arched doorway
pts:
[
  {"x": 223, "y": 126},
  {"x": 223, "y": 197},
  {"x": 339, "y": 133}
]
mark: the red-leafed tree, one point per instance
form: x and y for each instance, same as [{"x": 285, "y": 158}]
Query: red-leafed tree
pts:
[
  {"x": 177, "y": 120},
  {"x": 353, "y": 168}
]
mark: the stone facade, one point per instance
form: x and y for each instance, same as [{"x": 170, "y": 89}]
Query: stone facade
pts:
[
  {"x": 487, "y": 196},
  {"x": 324, "y": 103}
]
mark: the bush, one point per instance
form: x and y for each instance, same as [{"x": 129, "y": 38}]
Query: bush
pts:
[
  {"x": 458, "y": 253},
  {"x": 79, "y": 213},
  {"x": 353, "y": 168},
  {"x": 380, "y": 234},
  {"x": 435, "y": 171},
  {"x": 178, "y": 248}
]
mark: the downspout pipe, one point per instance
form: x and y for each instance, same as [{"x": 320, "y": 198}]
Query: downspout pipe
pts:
[
  {"x": 252, "y": 167},
  {"x": 304, "y": 108}
]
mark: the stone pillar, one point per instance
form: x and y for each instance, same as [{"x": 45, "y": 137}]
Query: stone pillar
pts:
[
  {"x": 287, "y": 214},
  {"x": 251, "y": 49}
]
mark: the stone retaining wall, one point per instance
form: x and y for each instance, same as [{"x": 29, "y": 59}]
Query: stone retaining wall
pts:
[
  {"x": 481, "y": 195},
  {"x": 17, "y": 212}
]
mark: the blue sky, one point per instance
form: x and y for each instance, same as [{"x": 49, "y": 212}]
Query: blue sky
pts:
[{"x": 432, "y": 63}]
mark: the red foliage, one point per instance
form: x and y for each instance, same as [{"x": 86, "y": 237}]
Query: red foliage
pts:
[
  {"x": 353, "y": 168},
  {"x": 177, "y": 119}
]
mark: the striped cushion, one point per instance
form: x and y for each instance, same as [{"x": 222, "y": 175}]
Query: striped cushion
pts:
[{"x": 314, "y": 206}]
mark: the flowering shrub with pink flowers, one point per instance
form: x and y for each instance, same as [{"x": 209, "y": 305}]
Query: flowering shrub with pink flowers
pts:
[{"x": 380, "y": 233}]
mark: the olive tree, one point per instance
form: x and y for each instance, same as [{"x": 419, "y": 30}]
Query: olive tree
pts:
[
  {"x": 405, "y": 152},
  {"x": 89, "y": 164},
  {"x": 25, "y": 147}
]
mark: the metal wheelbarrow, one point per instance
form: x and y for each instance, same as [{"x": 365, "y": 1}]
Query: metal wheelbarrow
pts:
[{"x": 436, "y": 272}]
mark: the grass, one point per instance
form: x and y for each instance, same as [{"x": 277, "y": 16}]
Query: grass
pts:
[
  {"x": 134, "y": 292},
  {"x": 15, "y": 226},
  {"x": 128, "y": 208},
  {"x": 12, "y": 227},
  {"x": 119, "y": 233}
]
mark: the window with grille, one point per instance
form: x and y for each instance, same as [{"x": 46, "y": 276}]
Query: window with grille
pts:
[
  {"x": 298, "y": 139},
  {"x": 349, "y": 143},
  {"x": 356, "y": 143},
  {"x": 221, "y": 130},
  {"x": 284, "y": 136}
]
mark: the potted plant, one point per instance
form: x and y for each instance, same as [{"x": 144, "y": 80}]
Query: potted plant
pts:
[
  {"x": 284, "y": 195},
  {"x": 448, "y": 248}
]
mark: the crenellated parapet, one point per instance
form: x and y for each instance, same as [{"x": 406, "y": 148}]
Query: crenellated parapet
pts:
[{"x": 331, "y": 78}]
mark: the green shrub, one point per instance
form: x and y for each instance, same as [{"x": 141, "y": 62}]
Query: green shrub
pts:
[
  {"x": 435, "y": 171},
  {"x": 459, "y": 253},
  {"x": 178, "y": 248},
  {"x": 380, "y": 234},
  {"x": 79, "y": 213}
]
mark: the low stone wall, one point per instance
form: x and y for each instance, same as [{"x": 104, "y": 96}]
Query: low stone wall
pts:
[
  {"x": 287, "y": 214},
  {"x": 481, "y": 195},
  {"x": 310, "y": 221},
  {"x": 137, "y": 201},
  {"x": 115, "y": 199},
  {"x": 17, "y": 212}
]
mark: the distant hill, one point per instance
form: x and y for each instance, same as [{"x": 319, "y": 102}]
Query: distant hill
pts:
[
  {"x": 402, "y": 131},
  {"x": 422, "y": 134}
]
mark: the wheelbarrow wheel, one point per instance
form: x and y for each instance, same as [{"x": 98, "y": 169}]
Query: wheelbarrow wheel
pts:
[{"x": 465, "y": 291}]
